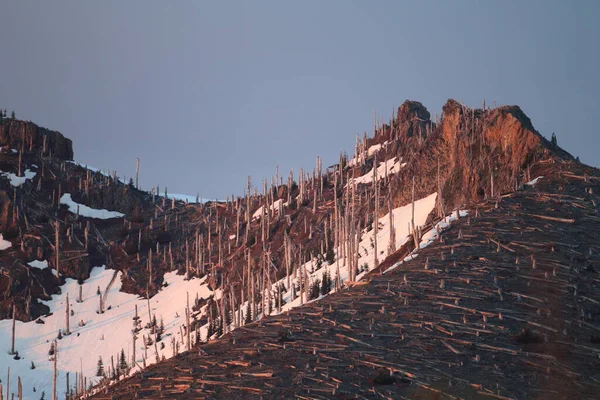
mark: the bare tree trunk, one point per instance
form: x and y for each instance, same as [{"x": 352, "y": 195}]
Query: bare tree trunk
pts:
[
  {"x": 133, "y": 356},
  {"x": 67, "y": 331},
  {"x": 56, "y": 248},
  {"x": 148, "y": 299},
  {"x": 12, "y": 347},
  {"x": 137, "y": 172},
  {"x": 412, "y": 221},
  {"x": 376, "y": 215},
  {"x": 54, "y": 397},
  {"x": 441, "y": 211},
  {"x": 253, "y": 285},
  {"x": 392, "y": 244},
  {"x": 187, "y": 322}
]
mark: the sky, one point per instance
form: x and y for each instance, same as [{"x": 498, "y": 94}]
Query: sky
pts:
[{"x": 207, "y": 93}]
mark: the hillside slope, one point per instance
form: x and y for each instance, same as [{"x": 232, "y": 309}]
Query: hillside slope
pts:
[
  {"x": 506, "y": 304},
  {"x": 100, "y": 268}
]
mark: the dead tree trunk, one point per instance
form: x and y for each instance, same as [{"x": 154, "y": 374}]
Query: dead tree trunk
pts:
[
  {"x": 67, "y": 331},
  {"x": 54, "y": 397},
  {"x": 137, "y": 172},
  {"x": 56, "y": 248},
  {"x": 376, "y": 215},
  {"x": 12, "y": 346}
]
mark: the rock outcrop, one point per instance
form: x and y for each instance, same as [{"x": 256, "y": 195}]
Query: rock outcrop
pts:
[
  {"x": 412, "y": 119},
  {"x": 34, "y": 139}
]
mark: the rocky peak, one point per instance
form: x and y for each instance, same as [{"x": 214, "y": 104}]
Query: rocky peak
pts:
[
  {"x": 412, "y": 120},
  {"x": 34, "y": 139},
  {"x": 411, "y": 111},
  {"x": 505, "y": 130}
]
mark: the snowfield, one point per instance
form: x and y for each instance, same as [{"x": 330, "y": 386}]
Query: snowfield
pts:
[
  {"x": 106, "y": 334},
  {"x": 401, "y": 216},
  {"x": 103, "y": 334}
]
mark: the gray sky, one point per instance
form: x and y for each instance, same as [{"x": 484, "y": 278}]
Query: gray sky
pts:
[{"x": 206, "y": 93}]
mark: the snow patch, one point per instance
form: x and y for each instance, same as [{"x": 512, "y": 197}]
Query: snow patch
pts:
[
  {"x": 38, "y": 264},
  {"x": 390, "y": 167},
  {"x": 533, "y": 182},
  {"x": 4, "y": 244},
  {"x": 17, "y": 181},
  {"x": 370, "y": 152},
  {"x": 85, "y": 211},
  {"x": 274, "y": 207},
  {"x": 186, "y": 198}
]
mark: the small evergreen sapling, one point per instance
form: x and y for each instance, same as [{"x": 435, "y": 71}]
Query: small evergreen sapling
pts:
[
  {"x": 123, "y": 362},
  {"x": 100, "y": 367}
]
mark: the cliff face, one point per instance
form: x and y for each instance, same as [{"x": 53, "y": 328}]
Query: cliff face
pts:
[
  {"x": 412, "y": 119},
  {"x": 479, "y": 152},
  {"x": 506, "y": 131},
  {"x": 35, "y": 139}
]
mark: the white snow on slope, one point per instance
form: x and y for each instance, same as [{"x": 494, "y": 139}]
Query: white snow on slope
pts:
[
  {"x": 370, "y": 152},
  {"x": 186, "y": 198},
  {"x": 103, "y": 334},
  {"x": 533, "y": 182},
  {"x": 33, "y": 340},
  {"x": 107, "y": 173},
  {"x": 93, "y": 169},
  {"x": 86, "y": 211},
  {"x": 273, "y": 207},
  {"x": 38, "y": 264},
  {"x": 430, "y": 236},
  {"x": 402, "y": 217},
  {"x": 4, "y": 244},
  {"x": 17, "y": 181},
  {"x": 177, "y": 196},
  {"x": 392, "y": 166}
]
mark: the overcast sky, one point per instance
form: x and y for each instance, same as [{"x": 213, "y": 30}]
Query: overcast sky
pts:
[{"x": 208, "y": 92}]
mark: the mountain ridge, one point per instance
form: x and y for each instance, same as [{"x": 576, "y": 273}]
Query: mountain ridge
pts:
[{"x": 238, "y": 247}]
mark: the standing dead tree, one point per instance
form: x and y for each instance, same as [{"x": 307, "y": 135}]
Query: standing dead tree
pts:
[
  {"x": 137, "y": 172},
  {"x": 56, "y": 248},
  {"x": 12, "y": 346},
  {"x": 54, "y": 394}
]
